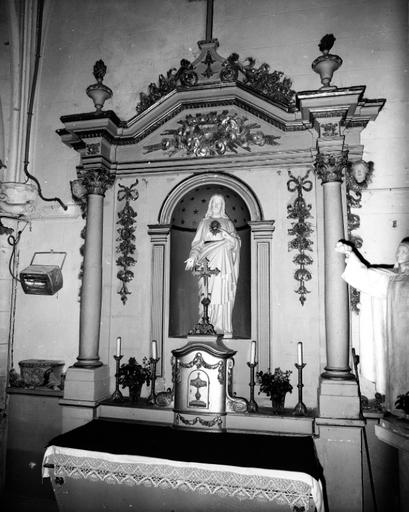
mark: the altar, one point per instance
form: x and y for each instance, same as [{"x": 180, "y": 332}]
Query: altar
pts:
[
  {"x": 225, "y": 193},
  {"x": 124, "y": 465}
]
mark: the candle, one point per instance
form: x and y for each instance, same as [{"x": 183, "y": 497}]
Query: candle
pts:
[
  {"x": 154, "y": 350},
  {"x": 118, "y": 346},
  {"x": 253, "y": 352},
  {"x": 299, "y": 353}
]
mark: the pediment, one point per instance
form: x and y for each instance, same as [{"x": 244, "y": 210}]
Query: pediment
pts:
[
  {"x": 210, "y": 122},
  {"x": 217, "y": 112}
]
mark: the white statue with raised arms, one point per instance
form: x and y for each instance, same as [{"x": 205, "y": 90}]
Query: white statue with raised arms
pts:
[{"x": 217, "y": 241}]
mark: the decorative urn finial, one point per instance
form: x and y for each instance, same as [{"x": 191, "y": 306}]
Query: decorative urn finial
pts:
[
  {"x": 99, "y": 92},
  {"x": 326, "y": 63}
]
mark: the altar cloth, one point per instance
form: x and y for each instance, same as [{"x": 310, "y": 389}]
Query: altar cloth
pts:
[{"x": 122, "y": 481}]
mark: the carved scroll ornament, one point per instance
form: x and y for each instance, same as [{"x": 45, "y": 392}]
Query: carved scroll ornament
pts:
[{"x": 274, "y": 85}]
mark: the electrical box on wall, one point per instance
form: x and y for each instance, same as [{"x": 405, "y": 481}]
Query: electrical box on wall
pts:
[{"x": 43, "y": 277}]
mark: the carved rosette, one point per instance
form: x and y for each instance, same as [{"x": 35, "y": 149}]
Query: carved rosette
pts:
[
  {"x": 301, "y": 229},
  {"x": 96, "y": 181},
  {"x": 126, "y": 238},
  {"x": 330, "y": 166}
]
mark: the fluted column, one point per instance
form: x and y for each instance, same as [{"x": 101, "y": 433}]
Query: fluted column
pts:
[
  {"x": 329, "y": 167},
  {"x": 95, "y": 182}
]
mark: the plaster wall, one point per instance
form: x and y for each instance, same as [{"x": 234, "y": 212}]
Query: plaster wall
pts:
[{"x": 140, "y": 40}]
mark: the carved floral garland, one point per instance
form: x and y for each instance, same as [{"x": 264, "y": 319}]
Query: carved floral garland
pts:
[
  {"x": 126, "y": 246},
  {"x": 301, "y": 229},
  {"x": 353, "y": 200},
  {"x": 212, "y": 134}
]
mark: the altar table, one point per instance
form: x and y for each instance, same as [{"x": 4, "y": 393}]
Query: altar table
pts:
[{"x": 115, "y": 466}]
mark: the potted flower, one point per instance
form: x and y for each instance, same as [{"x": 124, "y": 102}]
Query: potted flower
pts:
[
  {"x": 275, "y": 385},
  {"x": 402, "y": 402},
  {"x": 133, "y": 375}
]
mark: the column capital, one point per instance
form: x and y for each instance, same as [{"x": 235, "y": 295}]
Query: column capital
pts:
[
  {"x": 262, "y": 229},
  {"x": 92, "y": 181},
  {"x": 329, "y": 166}
]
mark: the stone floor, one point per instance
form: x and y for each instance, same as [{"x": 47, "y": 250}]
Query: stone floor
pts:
[{"x": 18, "y": 503}]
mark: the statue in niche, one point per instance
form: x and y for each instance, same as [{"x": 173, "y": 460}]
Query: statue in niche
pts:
[
  {"x": 216, "y": 241},
  {"x": 384, "y": 319}
]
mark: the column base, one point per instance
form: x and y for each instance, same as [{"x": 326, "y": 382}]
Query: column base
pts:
[
  {"x": 338, "y": 374},
  {"x": 338, "y": 398},
  {"x": 87, "y": 363},
  {"x": 87, "y": 384}
]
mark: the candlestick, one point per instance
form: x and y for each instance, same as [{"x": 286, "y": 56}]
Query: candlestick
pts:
[
  {"x": 253, "y": 352},
  {"x": 252, "y": 405},
  {"x": 152, "y": 396},
  {"x": 118, "y": 346},
  {"x": 300, "y": 409},
  {"x": 117, "y": 395},
  {"x": 154, "y": 349},
  {"x": 299, "y": 352}
]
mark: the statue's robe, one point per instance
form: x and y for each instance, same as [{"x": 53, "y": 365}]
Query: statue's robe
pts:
[
  {"x": 222, "y": 254},
  {"x": 384, "y": 326}
]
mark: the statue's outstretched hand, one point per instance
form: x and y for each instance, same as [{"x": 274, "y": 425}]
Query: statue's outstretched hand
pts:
[
  {"x": 189, "y": 263},
  {"x": 343, "y": 248}
]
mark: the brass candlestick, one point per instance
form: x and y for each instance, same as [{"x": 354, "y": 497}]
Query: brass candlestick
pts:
[
  {"x": 152, "y": 397},
  {"x": 117, "y": 395},
  {"x": 300, "y": 409},
  {"x": 252, "y": 405}
]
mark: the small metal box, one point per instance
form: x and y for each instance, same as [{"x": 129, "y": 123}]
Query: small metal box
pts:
[{"x": 42, "y": 279}]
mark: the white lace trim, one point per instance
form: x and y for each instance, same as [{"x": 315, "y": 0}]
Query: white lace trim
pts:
[{"x": 283, "y": 487}]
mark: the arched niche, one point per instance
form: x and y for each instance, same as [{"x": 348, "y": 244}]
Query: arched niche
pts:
[
  {"x": 184, "y": 296},
  {"x": 256, "y": 275}
]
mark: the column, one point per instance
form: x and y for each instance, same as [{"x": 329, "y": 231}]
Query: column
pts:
[
  {"x": 338, "y": 391},
  {"x": 87, "y": 381},
  {"x": 329, "y": 167},
  {"x": 95, "y": 183}
]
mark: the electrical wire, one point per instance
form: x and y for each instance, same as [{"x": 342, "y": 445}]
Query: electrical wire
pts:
[
  {"x": 13, "y": 242},
  {"x": 39, "y": 24}
]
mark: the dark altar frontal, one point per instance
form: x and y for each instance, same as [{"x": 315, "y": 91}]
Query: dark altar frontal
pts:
[{"x": 117, "y": 466}]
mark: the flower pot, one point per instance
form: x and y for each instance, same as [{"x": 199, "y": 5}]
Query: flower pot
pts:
[
  {"x": 135, "y": 392},
  {"x": 99, "y": 93},
  {"x": 325, "y": 65},
  {"x": 277, "y": 403},
  {"x": 34, "y": 372}
]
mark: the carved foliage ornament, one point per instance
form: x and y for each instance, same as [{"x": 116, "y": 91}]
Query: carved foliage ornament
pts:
[
  {"x": 199, "y": 362},
  {"x": 330, "y": 166},
  {"x": 212, "y": 134},
  {"x": 96, "y": 181},
  {"x": 126, "y": 238},
  {"x": 301, "y": 229},
  {"x": 274, "y": 85},
  {"x": 358, "y": 176},
  {"x": 217, "y": 420}
]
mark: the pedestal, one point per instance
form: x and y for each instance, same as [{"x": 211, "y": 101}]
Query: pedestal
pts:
[
  {"x": 338, "y": 399},
  {"x": 83, "y": 390},
  {"x": 85, "y": 384}
]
